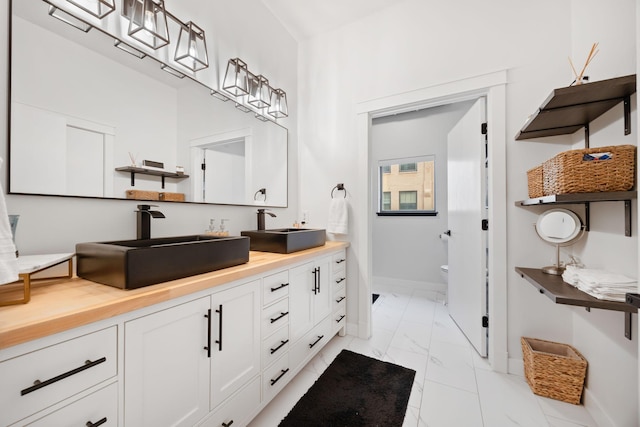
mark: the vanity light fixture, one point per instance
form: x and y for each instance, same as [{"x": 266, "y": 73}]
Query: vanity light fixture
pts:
[
  {"x": 125, "y": 47},
  {"x": 236, "y": 79},
  {"x": 148, "y": 22},
  {"x": 171, "y": 71},
  {"x": 258, "y": 91},
  {"x": 97, "y": 8},
  {"x": 278, "y": 107},
  {"x": 68, "y": 18},
  {"x": 192, "y": 47}
]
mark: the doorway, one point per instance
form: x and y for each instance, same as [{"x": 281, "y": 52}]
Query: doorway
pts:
[{"x": 492, "y": 86}]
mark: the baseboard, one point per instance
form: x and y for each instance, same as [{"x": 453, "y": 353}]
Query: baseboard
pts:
[{"x": 390, "y": 283}]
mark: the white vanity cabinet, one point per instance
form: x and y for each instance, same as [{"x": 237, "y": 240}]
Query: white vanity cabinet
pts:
[
  {"x": 166, "y": 370},
  {"x": 309, "y": 296},
  {"x": 235, "y": 339},
  {"x": 50, "y": 374}
]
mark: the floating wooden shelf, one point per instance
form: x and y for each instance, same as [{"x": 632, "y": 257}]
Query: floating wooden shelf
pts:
[
  {"x": 569, "y": 109},
  {"x": 563, "y": 293},
  {"x": 164, "y": 174}
]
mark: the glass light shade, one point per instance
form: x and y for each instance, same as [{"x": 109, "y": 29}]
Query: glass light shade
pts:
[
  {"x": 192, "y": 47},
  {"x": 148, "y": 23},
  {"x": 236, "y": 79},
  {"x": 97, "y": 8},
  {"x": 67, "y": 18},
  {"x": 278, "y": 107},
  {"x": 259, "y": 91}
]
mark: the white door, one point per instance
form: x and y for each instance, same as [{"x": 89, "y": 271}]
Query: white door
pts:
[{"x": 466, "y": 176}]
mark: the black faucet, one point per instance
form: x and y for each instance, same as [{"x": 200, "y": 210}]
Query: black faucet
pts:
[
  {"x": 144, "y": 215},
  {"x": 261, "y": 213}
]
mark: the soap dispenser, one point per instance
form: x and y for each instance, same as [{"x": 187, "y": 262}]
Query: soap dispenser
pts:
[{"x": 211, "y": 231}]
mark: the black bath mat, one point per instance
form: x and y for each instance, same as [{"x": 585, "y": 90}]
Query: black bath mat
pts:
[
  {"x": 374, "y": 297},
  {"x": 355, "y": 390}
]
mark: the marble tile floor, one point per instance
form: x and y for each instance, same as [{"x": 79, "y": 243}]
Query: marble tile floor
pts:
[{"x": 453, "y": 387}]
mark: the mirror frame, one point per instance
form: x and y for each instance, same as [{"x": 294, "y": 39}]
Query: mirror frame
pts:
[
  {"x": 575, "y": 234},
  {"x": 190, "y": 78}
]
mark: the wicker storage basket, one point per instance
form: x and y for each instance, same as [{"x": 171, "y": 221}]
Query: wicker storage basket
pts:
[
  {"x": 535, "y": 182},
  {"x": 554, "y": 370},
  {"x": 570, "y": 172},
  {"x": 143, "y": 195},
  {"x": 172, "y": 197}
]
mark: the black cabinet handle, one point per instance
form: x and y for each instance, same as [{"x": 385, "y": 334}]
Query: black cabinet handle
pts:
[
  {"x": 318, "y": 279},
  {"x": 282, "y": 372},
  {"x": 219, "y": 340},
  {"x": 340, "y": 318},
  {"x": 316, "y": 273},
  {"x": 317, "y": 341},
  {"x": 282, "y": 343},
  {"x": 340, "y": 261},
  {"x": 208, "y": 347},
  {"x": 279, "y": 317},
  {"x": 284, "y": 285},
  {"x": 227, "y": 424},
  {"x": 341, "y": 298},
  {"x": 340, "y": 280},
  {"x": 97, "y": 423},
  {"x": 37, "y": 384}
]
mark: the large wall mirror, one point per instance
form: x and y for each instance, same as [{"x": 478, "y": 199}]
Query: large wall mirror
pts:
[{"x": 85, "y": 115}]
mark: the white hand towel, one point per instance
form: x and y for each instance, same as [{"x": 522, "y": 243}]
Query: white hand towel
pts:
[
  {"x": 8, "y": 262},
  {"x": 338, "y": 222}
]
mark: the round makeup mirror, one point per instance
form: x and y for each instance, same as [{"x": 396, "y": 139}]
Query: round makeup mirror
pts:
[{"x": 560, "y": 227}]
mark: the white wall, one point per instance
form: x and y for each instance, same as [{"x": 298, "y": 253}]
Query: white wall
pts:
[
  {"x": 55, "y": 224},
  {"x": 409, "y": 248},
  {"x": 416, "y": 44}
]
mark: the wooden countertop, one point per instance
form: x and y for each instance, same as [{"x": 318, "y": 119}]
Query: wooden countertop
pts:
[{"x": 60, "y": 304}]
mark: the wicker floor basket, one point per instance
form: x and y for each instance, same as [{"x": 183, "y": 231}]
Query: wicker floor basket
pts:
[
  {"x": 554, "y": 370},
  {"x": 535, "y": 182},
  {"x": 572, "y": 172}
]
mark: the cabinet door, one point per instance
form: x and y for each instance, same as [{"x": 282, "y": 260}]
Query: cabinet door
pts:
[
  {"x": 235, "y": 339},
  {"x": 301, "y": 285},
  {"x": 322, "y": 295},
  {"x": 166, "y": 377}
]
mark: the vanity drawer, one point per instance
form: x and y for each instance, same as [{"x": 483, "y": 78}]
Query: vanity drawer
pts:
[
  {"x": 275, "y": 346},
  {"x": 311, "y": 343},
  {"x": 275, "y": 316},
  {"x": 274, "y": 287},
  {"x": 41, "y": 378},
  {"x": 98, "y": 407},
  {"x": 339, "y": 319},
  {"x": 276, "y": 377},
  {"x": 338, "y": 280},
  {"x": 338, "y": 261},
  {"x": 339, "y": 298},
  {"x": 236, "y": 410}
]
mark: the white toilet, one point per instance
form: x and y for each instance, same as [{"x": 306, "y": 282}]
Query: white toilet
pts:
[{"x": 444, "y": 272}]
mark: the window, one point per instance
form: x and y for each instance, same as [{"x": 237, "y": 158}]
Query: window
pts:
[
  {"x": 386, "y": 201},
  {"x": 407, "y": 186},
  {"x": 408, "y": 200}
]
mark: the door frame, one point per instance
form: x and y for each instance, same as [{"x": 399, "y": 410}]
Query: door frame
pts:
[{"x": 493, "y": 87}]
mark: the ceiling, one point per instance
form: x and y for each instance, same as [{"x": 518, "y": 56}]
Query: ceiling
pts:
[{"x": 305, "y": 18}]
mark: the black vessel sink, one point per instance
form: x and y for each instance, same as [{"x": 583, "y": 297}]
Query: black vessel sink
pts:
[
  {"x": 285, "y": 240},
  {"x": 131, "y": 264}
]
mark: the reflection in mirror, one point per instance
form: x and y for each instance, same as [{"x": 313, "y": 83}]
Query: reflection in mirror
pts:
[
  {"x": 94, "y": 108},
  {"x": 560, "y": 227}
]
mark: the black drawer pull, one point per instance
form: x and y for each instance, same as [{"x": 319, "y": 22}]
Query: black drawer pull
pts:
[
  {"x": 284, "y": 285},
  {"x": 208, "y": 347},
  {"x": 317, "y": 341},
  {"x": 282, "y": 372},
  {"x": 340, "y": 299},
  {"x": 282, "y": 343},
  {"x": 219, "y": 340},
  {"x": 227, "y": 424},
  {"x": 340, "y": 280},
  {"x": 96, "y": 424},
  {"x": 37, "y": 384},
  {"x": 282, "y": 314},
  {"x": 340, "y": 261},
  {"x": 339, "y": 319}
]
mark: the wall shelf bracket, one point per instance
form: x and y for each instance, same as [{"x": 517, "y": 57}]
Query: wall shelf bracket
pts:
[{"x": 627, "y": 115}]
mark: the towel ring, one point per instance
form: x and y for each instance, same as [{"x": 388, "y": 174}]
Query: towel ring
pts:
[{"x": 339, "y": 187}]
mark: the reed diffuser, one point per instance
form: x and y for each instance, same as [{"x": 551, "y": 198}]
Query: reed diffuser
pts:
[{"x": 581, "y": 78}]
